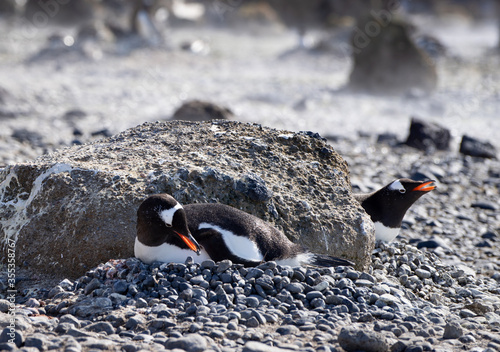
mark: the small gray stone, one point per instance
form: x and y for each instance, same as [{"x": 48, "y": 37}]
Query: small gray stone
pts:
[
  {"x": 195, "y": 327},
  {"x": 4, "y": 305},
  {"x": 11, "y": 334},
  {"x": 55, "y": 290},
  {"x": 254, "y": 273},
  {"x": 314, "y": 294},
  {"x": 287, "y": 330},
  {"x": 466, "y": 313},
  {"x": 8, "y": 346},
  {"x": 202, "y": 311},
  {"x": 254, "y": 346},
  {"x": 294, "y": 287},
  {"x": 467, "y": 339},
  {"x": 63, "y": 328},
  {"x": 186, "y": 294},
  {"x": 387, "y": 299},
  {"x": 414, "y": 349},
  {"x": 266, "y": 282},
  {"x": 355, "y": 339},
  {"x": 196, "y": 280},
  {"x": 223, "y": 265},
  {"x": 78, "y": 333},
  {"x": 66, "y": 284},
  {"x": 318, "y": 303},
  {"x": 162, "y": 323},
  {"x": 37, "y": 340},
  {"x": 344, "y": 283},
  {"x": 95, "y": 343},
  {"x": 366, "y": 317},
  {"x": 234, "y": 334},
  {"x": 102, "y": 326},
  {"x": 323, "y": 285},
  {"x": 207, "y": 264},
  {"x": 120, "y": 287},
  {"x": 366, "y": 276},
  {"x": 68, "y": 318},
  {"x": 92, "y": 285},
  {"x": 352, "y": 274},
  {"x": 453, "y": 330},
  {"x": 141, "y": 303},
  {"x": 102, "y": 303},
  {"x": 135, "y": 322},
  {"x": 199, "y": 293},
  {"x": 353, "y": 307},
  {"x": 226, "y": 278},
  {"x": 260, "y": 317},
  {"x": 222, "y": 296},
  {"x": 32, "y": 303},
  {"x": 252, "y": 322},
  {"x": 364, "y": 283},
  {"x": 270, "y": 265},
  {"x": 188, "y": 343},
  {"x": 423, "y": 274},
  {"x": 252, "y": 302}
]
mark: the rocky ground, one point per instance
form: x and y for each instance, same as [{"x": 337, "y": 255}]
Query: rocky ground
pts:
[{"x": 435, "y": 288}]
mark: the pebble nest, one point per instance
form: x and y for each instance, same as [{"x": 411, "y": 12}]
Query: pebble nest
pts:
[
  {"x": 408, "y": 301},
  {"x": 434, "y": 289}
]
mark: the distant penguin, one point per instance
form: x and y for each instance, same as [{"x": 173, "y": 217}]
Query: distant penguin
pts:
[
  {"x": 143, "y": 24},
  {"x": 388, "y": 205},
  {"x": 168, "y": 232}
]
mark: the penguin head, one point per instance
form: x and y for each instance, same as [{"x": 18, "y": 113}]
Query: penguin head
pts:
[
  {"x": 399, "y": 195},
  {"x": 160, "y": 219},
  {"x": 407, "y": 189}
]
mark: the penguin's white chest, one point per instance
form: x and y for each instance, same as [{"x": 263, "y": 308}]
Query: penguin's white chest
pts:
[
  {"x": 166, "y": 253},
  {"x": 385, "y": 233}
]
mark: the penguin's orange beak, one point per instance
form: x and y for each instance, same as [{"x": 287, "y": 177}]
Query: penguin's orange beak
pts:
[
  {"x": 190, "y": 242},
  {"x": 425, "y": 187}
]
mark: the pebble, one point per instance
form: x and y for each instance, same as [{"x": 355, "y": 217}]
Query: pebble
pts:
[
  {"x": 6, "y": 335},
  {"x": 4, "y": 305},
  {"x": 452, "y": 330},
  {"x": 253, "y": 346},
  {"x": 354, "y": 339}
]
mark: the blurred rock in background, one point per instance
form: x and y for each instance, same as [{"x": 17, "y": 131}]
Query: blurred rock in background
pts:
[
  {"x": 197, "y": 110},
  {"x": 303, "y": 15},
  {"x": 385, "y": 57}
]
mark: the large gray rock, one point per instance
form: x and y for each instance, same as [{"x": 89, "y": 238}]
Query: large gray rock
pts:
[
  {"x": 73, "y": 209},
  {"x": 428, "y": 136},
  {"x": 386, "y": 60}
]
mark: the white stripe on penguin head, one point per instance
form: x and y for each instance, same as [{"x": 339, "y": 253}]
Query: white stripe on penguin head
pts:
[
  {"x": 397, "y": 186},
  {"x": 167, "y": 215}
]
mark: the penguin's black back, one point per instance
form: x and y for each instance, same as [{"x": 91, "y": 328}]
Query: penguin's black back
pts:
[{"x": 272, "y": 243}]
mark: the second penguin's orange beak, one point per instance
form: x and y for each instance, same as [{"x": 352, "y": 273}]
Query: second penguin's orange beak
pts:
[{"x": 425, "y": 187}]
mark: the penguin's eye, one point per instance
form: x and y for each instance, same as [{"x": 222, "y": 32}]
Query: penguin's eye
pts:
[{"x": 402, "y": 191}]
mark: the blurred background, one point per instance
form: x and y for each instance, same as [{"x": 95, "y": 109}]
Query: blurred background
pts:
[{"x": 74, "y": 71}]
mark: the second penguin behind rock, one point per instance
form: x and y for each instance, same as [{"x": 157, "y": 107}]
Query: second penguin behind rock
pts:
[{"x": 388, "y": 205}]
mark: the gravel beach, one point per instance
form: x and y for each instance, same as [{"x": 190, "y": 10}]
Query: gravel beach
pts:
[{"x": 436, "y": 288}]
